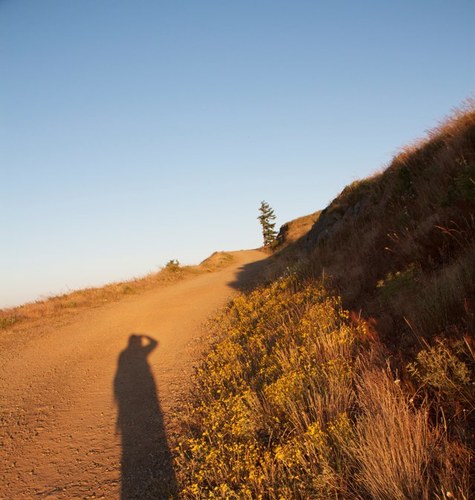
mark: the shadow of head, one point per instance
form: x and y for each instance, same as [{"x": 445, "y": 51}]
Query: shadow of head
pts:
[
  {"x": 135, "y": 340},
  {"x": 139, "y": 344}
]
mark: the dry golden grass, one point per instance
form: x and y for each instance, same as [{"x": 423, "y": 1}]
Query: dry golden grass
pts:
[
  {"x": 399, "y": 454},
  {"x": 292, "y": 231},
  {"x": 67, "y": 305},
  {"x": 418, "y": 214}
]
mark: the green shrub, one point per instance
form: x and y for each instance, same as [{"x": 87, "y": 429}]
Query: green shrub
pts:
[
  {"x": 394, "y": 283},
  {"x": 441, "y": 368},
  {"x": 172, "y": 265}
]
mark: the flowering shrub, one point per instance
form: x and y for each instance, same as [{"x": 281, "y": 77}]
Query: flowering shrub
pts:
[
  {"x": 256, "y": 425},
  {"x": 286, "y": 405}
]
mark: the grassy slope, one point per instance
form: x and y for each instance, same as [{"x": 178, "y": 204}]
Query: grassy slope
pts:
[
  {"x": 400, "y": 245},
  {"x": 292, "y": 231},
  {"x": 371, "y": 395},
  {"x": 64, "y": 306}
]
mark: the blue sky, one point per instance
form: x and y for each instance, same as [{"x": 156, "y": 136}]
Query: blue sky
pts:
[{"x": 135, "y": 132}]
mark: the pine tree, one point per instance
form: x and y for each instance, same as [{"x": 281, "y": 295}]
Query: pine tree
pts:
[{"x": 265, "y": 218}]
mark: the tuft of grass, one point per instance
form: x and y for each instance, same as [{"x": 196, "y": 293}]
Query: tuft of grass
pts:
[
  {"x": 128, "y": 290},
  {"x": 8, "y": 321},
  {"x": 396, "y": 450}
]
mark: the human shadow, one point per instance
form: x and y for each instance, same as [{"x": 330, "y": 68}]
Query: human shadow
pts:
[{"x": 146, "y": 463}]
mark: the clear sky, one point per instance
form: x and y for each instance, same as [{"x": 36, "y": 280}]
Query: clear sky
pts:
[{"x": 135, "y": 132}]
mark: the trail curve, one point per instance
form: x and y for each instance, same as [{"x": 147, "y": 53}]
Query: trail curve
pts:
[{"x": 86, "y": 408}]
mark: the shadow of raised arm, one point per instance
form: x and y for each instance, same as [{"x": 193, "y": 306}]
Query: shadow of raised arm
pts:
[{"x": 152, "y": 344}]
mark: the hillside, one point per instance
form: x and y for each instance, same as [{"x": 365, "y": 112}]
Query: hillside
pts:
[
  {"x": 292, "y": 231},
  {"x": 399, "y": 246},
  {"x": 351, "y": 373},
  {"x": 343, "y": 367}
]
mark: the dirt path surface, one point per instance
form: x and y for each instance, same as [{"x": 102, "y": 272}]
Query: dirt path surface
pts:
[{"x": 86, "y": 409}]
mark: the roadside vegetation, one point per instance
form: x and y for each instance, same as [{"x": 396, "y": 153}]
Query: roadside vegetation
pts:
[
  {"x": 351, "y": 374},
  {"x": 296, "y": 400},
  {"x": 66, "y": 305}
]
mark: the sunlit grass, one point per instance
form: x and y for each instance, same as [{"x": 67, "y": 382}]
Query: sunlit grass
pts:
[
  {"x": 294, "y": 401},
  {"x": 70, "y": 303}
]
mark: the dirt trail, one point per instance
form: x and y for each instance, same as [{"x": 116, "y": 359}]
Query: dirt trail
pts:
[{"x": 86, "y": 409}]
